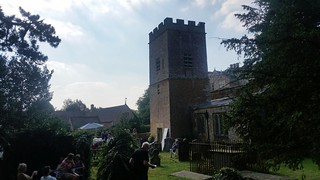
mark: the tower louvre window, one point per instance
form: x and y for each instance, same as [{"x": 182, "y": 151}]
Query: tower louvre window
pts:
[
  {"x": 158, "y": 89},
  {"x": 158, "y": 64},
  {"x": 187, "y": 60}
]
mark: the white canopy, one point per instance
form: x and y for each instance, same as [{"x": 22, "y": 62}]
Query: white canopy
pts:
[{"x": 91, "y": 126}]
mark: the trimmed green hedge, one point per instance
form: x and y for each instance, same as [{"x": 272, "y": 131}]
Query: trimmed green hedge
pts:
[{"x": 39, "y": 147}]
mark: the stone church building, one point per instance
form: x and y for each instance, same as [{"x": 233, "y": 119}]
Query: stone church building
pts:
[{"x": 183, "y": 94}]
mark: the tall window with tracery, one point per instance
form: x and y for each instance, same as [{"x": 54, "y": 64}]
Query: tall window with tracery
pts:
[{"x": 218, "y": 125}]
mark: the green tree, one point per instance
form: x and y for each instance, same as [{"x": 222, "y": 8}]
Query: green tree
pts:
[
  {"x": 143, "y": 104},
  {"x": 73, "y": 105},
  {"x": 24, "y": 77},
  {"x": 130, "y": 123},
  {"x": 25, "y": 108},
  {"x": 114, "y": 160},
  {"x": 278, "y": 112}
]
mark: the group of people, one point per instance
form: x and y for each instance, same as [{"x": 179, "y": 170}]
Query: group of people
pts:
[
  {"x": 22, "y": 169},
  {"x": 71, "y": 168}
]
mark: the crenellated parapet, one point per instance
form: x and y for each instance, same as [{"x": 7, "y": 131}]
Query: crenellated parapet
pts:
[{"x": 178, "y": 25}]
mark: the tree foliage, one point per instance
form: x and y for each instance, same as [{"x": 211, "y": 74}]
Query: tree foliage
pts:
[
  {"x": 278, "y": 112},
  {"x": 143, "y": 104},
  {"x": 114, "y": 160},
  {"x": 33, "y": 145},
  {"x": 25, "y": 110},
  {"x": 24, "y": 78},
  {"x": 73, "y": 105}
]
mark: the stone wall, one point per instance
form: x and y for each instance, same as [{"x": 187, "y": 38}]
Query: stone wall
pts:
[{"x": 178, "y": 75}]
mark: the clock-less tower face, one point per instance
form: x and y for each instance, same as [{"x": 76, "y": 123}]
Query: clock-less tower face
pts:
[{"x": 178, "y": 76}]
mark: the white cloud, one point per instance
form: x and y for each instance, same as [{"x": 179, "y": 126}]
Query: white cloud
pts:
[
  {"x": 57, "y": 66},
  {"x": 226, "y": 12},
  {"x": 87, "y": 92},
  {"x": 99, "y": 93},
  {"x": 69, "y": 73},
  {"x": 68, "y": 31},
  {"x": 131, "y": 4},
  {"x": 103, "y": 56},
  {"x": 78, "y": 81},
  {"x": 231, "y": 22},
  {"x": 98, "y": 8},
  {"x": 213, "y": 2},
  {"x": 229, "y": 6},
  {"x": 201, "y": 3},
  {"x": 64, "y": 28},
  {"x": 38, "y": 5},
  {"x": 113, "y": 7}
]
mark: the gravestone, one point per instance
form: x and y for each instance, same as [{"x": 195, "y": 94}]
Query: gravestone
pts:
[{"x": 154, "y": 156}]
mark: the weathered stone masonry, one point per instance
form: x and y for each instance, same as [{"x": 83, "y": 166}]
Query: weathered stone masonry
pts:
[{"x": 178, "y": 75}]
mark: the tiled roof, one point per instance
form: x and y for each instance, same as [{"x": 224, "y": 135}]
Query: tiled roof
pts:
[
  {"x": 107, "y": 116},
  {"x": 215, "y": 103},
  {"x": 112, "y": 114},
  {"x": 78, "y": 121}
]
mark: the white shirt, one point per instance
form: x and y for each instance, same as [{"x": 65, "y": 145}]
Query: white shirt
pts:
[{"x": 48, "y": 178}]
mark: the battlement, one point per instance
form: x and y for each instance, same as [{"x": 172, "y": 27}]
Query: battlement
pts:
[{"x": 178, "y": 25}]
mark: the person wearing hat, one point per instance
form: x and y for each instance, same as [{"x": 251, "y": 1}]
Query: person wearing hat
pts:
[{"x": 140, "y": 162}]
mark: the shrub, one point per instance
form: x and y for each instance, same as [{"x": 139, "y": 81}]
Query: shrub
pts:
[
  {"x": 227, "y": 174},
  {"x": 115, "y": 155},
  {"x": 41, "y": 147},
  {"x": 36, "y": 148}
]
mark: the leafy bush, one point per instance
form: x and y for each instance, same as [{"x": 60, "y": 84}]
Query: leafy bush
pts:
[
  {"x": 144, "y": 128},
  {"x": 42, "y": 146},
  {"x": 115, "y": 155},
  {"x": 227, "y": 174},
  {"x": 36, "y": 148},
  {"x": 82, "y": 144}
]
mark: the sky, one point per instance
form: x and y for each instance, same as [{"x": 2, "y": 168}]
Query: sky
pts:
[{"x": 103, "y": 57}]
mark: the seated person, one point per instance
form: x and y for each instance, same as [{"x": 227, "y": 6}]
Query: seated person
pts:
[
  {"x": 46, "y": 174},
  {"x": 78, "y": 165},
  {"x": 66, "y": 168},
  {"x": 22, "y": 169}
]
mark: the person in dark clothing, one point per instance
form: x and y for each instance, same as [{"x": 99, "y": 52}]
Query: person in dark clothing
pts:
[
  {"x": 140, "y": 162},
  {"x": 78, "y": 165}
]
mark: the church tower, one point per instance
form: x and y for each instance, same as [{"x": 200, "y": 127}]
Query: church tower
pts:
[{"x": 178, "y": 76}]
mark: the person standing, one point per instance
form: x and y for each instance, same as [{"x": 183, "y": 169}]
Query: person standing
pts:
[
  {"x": 22, "y": 169},
  {"x": 140, "y": 162}
]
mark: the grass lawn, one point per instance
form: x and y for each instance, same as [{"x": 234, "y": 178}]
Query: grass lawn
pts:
[
  {"x": 171, "y": 165},
  {"x": 168, "y": 166},
  {"x": 310, "y": 170}
]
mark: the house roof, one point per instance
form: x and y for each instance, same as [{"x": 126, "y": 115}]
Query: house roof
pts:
[
  {"x": 106, "y": 116},
  {"x": 68, "y": 114},
  {"x": 215, "y": 103},
  {"x": 78, "y": 121},
  {"x": 112, "y": 114}
]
